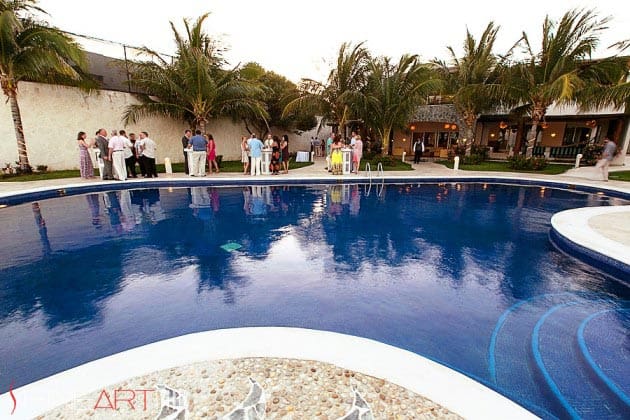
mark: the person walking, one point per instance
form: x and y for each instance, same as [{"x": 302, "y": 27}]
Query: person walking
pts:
[
  {"x": 212, "y": 154},
  {"x": 610, "y": 148},
  {"x": 185, "y": 139},
  {"x": 255, "y": 149},
  {"x": 199, "y": 146},
  {"x": 85, "y": 162}
]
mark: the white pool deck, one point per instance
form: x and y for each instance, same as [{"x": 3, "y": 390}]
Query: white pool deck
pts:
[{"x": 605, "y": 230}]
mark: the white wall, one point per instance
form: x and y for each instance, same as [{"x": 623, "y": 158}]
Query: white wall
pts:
[{"x": 53, "y": 115}]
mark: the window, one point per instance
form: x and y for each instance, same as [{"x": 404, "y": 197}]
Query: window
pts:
[{"x": 574, "y": 135}]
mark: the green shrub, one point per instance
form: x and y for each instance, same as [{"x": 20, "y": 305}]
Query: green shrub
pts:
[
  {"x": 520, "y": 163},
  {"x": 590, "y": 154},
  {"x": 42, "y": 168}
]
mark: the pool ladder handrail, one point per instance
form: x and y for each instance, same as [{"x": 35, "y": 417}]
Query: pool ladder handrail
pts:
[{"x": 368, "y": 173}]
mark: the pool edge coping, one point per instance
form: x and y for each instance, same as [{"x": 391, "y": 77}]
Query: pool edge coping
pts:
[{"x": 447, "y": 387}]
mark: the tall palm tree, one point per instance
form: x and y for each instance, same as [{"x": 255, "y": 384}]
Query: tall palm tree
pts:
[
  {"x": 31, "y": 50},
  {"x": 193, "y": 87},
  {"x": 560, "y": 70},
  {"x": 336, "y": 100},
  {"x": 394, "y": 92},
  {"x": 472, "y": 80},
  {"x": 618, "y": 91}
]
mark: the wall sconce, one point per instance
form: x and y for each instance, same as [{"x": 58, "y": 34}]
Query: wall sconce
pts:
[
  {"x": 453, "y": 127},
  {"x": 503, "y": 125},
  {"x": 413, "y": 127},
  {"x": 591, "y": 123},
  {"x": 553, "y": 134},
  {"x": 492, "y": 135},
  {"x": 544, "y": 125},
  {"x": 404, "y": 139},
  {"x": 447, "y": 126}
]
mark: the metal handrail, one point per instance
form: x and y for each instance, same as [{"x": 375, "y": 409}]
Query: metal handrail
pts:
[
  {"x": 368, "y": 173},
  {"x": 381, "y": 173}
]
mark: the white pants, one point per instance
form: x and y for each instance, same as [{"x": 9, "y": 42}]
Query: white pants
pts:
[
  {"x": 118, "y": 162},
  {"x": 198, "y": 164},
  {"x": 256, "y": 166},
  {"x": 603, "y": 164}
]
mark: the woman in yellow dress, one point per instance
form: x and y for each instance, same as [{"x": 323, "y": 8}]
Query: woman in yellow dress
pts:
[{"x": 335, "y": 155}]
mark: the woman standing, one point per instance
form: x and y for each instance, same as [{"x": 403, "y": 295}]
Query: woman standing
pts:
[
  {"x": 244, "y": 155},
  {"x": 284, "y": 147},
  {"x": 85, "y": 163},
  {"x": 336, "y": 157},
  {"x": 212, "y": 154},
  {"x": 358, "y": 154},
  {"x": 275, "y": 156}
]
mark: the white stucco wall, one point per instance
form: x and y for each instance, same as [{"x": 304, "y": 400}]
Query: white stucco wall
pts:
[{"x": 53, "y": 115}]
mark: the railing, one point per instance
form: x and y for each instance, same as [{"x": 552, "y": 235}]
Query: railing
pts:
[{"x": 558, "y": 152}]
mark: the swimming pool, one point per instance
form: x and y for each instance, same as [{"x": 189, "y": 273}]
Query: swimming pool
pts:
[{"x": 461, "y": 273}]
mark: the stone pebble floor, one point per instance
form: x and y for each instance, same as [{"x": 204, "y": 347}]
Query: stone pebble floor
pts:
[{"x": 294, "y": 389}]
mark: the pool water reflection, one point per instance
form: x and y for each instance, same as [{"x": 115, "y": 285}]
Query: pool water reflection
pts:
[{"x": 461, "y": 273}]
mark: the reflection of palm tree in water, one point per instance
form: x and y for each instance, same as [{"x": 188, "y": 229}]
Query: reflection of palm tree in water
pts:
[{"x": 41, "y": 226}]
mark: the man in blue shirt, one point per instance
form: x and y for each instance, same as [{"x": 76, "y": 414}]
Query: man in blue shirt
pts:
[
  {"x": 199, "y": 146},
  {"x": 255, "y": 148}
]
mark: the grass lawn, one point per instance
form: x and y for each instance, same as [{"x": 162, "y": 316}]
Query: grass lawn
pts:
[
  {"x": 619, "y": 176},
  {"x": 389, "y": 164},
  {"x": 551, "y": 169},
  {"x": 227, "y": 166}
]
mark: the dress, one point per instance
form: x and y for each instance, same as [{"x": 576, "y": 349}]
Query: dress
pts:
[
  {"x": 212, "y": 151},
  {"x": 285, "y": 153},
  {"x": 85, "y": 164}
]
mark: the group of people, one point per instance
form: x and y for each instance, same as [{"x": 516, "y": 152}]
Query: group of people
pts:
[
  {"x": 202, "y": 148},
  {"x": 334, "y": 155},
  {"x": 119, "y": 155},
  {"x": 251, "y": 154}
]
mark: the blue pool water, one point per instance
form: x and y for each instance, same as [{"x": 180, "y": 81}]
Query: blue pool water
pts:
[{"x": 461, "y": 273}]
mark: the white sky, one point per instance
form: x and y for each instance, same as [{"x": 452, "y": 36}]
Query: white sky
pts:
[{"x": 301, "y": 39}]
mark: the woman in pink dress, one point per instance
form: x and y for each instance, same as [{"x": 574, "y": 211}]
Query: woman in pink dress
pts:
[
  {"x": 358, "y": 154},
  {"x": 85, "y": 163},
  {"x": 212, "y": 154}
]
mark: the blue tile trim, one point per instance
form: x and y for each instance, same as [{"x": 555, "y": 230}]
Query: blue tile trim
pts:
[{"x": 611, "y": 266}]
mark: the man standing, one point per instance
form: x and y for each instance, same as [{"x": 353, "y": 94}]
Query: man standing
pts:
[
  {"x": 199, "y": 146},
  {"x": 116, "y": 155},
  {"x": 607, "y": 155},
  {"x": 102, "y": 144},
  {"x": 418, "y": 149},
  {"x": 255, "y": 148},
  {"x": 185, "y": 140},
  {"x": 148, "y": 148},
  {"x": 130, "y": 155}
]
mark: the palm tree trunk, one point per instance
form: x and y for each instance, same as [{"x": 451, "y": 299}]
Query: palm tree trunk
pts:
[
  {"x": 470, "y": 118},
  {"x": 537, "y": 114},
  {"x": 25, "y": 167},
  {"x": 387, "y": 131}
]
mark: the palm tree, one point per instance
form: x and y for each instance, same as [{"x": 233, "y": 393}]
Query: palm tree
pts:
[
  {"x": 394, "y": 92},
  {"x": 194, "y": 87},
  {"x": 336, "y": 100},
  {"x": 31, "y": 50},
  {"x": 618, "y": 91},
  {"x": 559, "y": 72},
  {"x": 473, "y": 79}
]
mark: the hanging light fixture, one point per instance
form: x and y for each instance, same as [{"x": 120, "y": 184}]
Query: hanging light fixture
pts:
[
  {"x": 447, "y": 126},
  {"x": 453, "y": 127},
  {"x": 544, "y": 125},
  {"x": 503, "y": 125}
]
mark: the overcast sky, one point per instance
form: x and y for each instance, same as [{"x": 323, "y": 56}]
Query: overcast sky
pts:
[{"x": 300, "y": 39}]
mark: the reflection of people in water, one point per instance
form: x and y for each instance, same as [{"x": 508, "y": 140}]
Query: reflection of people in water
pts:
[
  {"x": 41, "y": 226},
  {"x": 335, "y": 207},
  {"x": 258, "y": 207},
  {"x": 128, "y": 217},
  {"x": 95, "y": 209},
  {"x": 247, "y": 200},
  {"x": 355, "y": 200},
  {"x": 148, "y": 201},
  {"x": 214, "y": 199},
  {"x": 201, "y": 203},
  {"x": 112, "y": 205}
]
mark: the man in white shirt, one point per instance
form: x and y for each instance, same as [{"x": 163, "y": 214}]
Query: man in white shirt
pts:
[
  {"x": 116, "y": 148},
  {"x": 148, "y": 148}
]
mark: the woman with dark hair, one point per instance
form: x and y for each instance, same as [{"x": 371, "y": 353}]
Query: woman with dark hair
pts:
[
  {"x": 85, "y": 163},
  {"x": 284, "y": 149},
  {"x": 212, "y": 154},
  {"x": 275, "y": 156}
]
